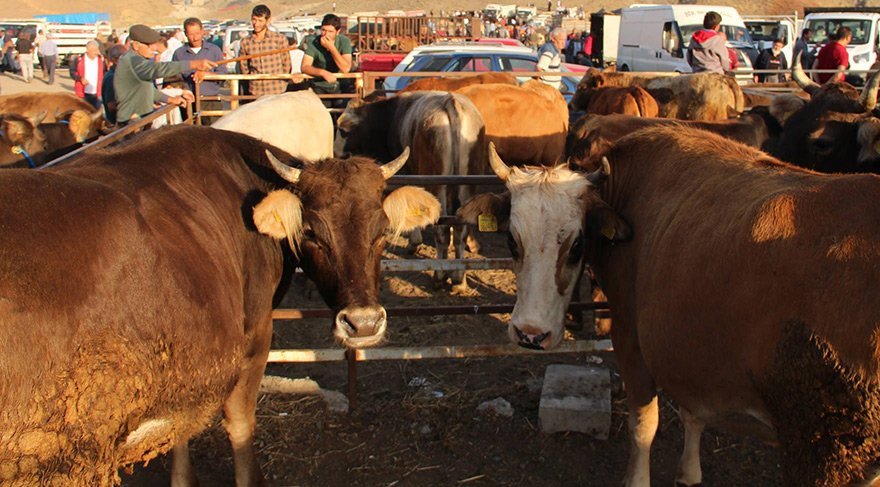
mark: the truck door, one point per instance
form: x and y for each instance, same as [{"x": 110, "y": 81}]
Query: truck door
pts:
[{"x": 670, "y": 56}]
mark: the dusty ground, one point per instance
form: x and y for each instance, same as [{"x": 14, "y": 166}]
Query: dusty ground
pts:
[{"x": 404, "y": 434}]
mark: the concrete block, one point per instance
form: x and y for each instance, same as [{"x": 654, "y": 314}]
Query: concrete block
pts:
[{"x": 576, "y": 398}]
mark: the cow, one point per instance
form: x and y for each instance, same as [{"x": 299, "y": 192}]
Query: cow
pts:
[
  {"x": 626, "y": 100},
  {"x": 32, "y": 104},
  {"x": 593, "y": 135},
  {"x": 527, "y": 123},
  {"x": 454, "y": 84},
  {"x": 702, "y": 96},
  {"x": 737, "y": 284},
  {"x": 296, "y": 122},
  {"x": 837, "y": 130},
  {"x": 30, "y": 142},
  {"x": 446, "y": 135},
  {"x": 136, "y": 293}
]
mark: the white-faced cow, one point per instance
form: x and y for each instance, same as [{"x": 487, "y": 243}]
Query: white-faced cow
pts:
[
  {"x": 136, "y": 295},
  {"x": 296, "y": 122},
  {"x": 738, "y": 284},
  {"x": 446, "y": 135}
]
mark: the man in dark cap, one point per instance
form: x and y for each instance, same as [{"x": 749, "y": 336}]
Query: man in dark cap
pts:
[{"x": 135, "y": 92}]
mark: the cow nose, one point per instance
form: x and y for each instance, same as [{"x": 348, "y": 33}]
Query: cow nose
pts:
[
  {"x": 531, "y": 338},
  {"x": 361, "y": 326}
]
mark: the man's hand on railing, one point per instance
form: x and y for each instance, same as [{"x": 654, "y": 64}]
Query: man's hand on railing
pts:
[
  {"x": 202, "y": 64},
  {"x": 328, "y": 77},
  {"x": 183, "y": 100},
  {"x": 199, "y": 76}
]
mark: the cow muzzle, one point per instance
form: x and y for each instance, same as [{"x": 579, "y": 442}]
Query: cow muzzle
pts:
[
  {"x": 531, "y": 338},
  {"x": 359, "y": 327}
]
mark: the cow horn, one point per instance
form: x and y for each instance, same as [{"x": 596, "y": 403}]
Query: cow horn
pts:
[
  {"x": 869, "y": 92},
  {"x": 798, "y": 74},
  {"x": 57, "y": 115},
  {"x": 497, "y": 165},
  {"x": 390, "y": 168},
  {"x": 599, "y": 176},
  {"x": 290, "y": 174},
  {"x": 38, "y": 118}
]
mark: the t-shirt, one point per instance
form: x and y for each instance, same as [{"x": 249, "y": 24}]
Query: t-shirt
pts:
[
  {"x": 24, "y": 46},
  {"x": 831, "y": 56},
  {"x": 321, "y": 57},
  {"x": 92, "y": 66}
]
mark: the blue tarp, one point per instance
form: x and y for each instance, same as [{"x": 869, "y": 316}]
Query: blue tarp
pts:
[{"x": 75, "y": 18}]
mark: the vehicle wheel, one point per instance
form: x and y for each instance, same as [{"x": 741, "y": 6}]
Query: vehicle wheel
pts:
[{"x": 624, "y": 68}]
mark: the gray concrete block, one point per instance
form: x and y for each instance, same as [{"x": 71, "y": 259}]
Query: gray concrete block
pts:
[{"x": 576, "y": 398}]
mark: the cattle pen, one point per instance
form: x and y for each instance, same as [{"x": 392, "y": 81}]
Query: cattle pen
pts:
[{"x": 364, "y": 87}]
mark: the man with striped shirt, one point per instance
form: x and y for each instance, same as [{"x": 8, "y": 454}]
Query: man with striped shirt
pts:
[
  {"x": 264, "y": 40},
  {"x": 550, "y": 58}
]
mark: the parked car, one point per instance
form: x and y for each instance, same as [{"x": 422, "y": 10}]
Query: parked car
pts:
[{"x": 475, "y": 57}]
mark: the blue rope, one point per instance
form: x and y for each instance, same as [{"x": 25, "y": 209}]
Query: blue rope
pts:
[{"x": 23, "y": 152}]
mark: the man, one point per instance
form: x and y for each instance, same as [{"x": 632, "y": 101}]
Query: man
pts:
[
  {"x": 197, "y": 48},
  {"x": 89, "y": 74},
  {"x": 264, "y": 40},
  {"x": 133, "y": 80},
  {"x": 25, "y": 49},
  {"x": 49, "y": 57},
  {"x": 707, "y": 51},
  {"x": 801, "y": 46},
  {"x": 834, "y": 56},
  {"x": 772, "y": 59},
  {"x": 108, "y": 92},
  {"x": 550, "y": 57},
  {"x": 38, "y": 43},
  {"x": 325, "y": 56}
]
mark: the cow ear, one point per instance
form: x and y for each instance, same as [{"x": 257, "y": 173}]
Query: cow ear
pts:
[
  {"x": 409, "y": 207},
  {"x": 38, "y": 118},
  {"x": 17, "y": 131},
  {"x": 80, "y": 124},
  {"x": 603, "y": 221},
  {"x": 493, "y": 209},
  {"x": 279, "y": 216},
  {"x": 783, "y": 106}
]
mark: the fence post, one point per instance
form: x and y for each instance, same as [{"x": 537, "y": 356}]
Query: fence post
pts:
[
  {"x": 233, "y": 90},
  {"x": 351, "y": 359},
  {"x": 198, "y": 104}
]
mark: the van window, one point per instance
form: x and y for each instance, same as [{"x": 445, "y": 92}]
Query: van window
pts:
[
  {"x": 822, "y": 28},
  {"x": 767, "y": 31},
  {"x": 672, "y": 39}
]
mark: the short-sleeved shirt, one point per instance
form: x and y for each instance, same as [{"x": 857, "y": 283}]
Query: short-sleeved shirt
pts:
[
  {"x": 24, "y": 46},
  {"x": 831, "y": 56},
  {"x": 273, "y": 64},
  {"x": 321, "y": 57},
  {"x": 549, "y": 59}
]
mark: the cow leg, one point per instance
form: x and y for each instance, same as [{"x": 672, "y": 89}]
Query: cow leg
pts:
[
  {"x": 239, "y": 411},
  {"x": 641, "y": 399},
  {"x": 415, "y": 239},
  {"x": 459, "y": 278},
  {"x": 689, "y": 472},
  {"x": 441, "y": 240},
  {"x": 182, "y": 473}
]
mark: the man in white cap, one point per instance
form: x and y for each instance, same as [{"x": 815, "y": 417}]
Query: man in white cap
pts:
[{"x": 135, "y": 92}]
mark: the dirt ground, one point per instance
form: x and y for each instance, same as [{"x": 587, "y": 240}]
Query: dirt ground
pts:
[{"x": 417, "y": 422}]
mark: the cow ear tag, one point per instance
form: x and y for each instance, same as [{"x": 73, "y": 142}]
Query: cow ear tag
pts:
[
  {"x": 609, "y": 231},
  {"x": 417, "y": 211},
  {"x": 17, "y": 149},
  {"x": 487, "y": 222}
]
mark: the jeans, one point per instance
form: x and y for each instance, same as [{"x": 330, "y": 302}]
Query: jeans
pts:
[{"x": 94, "y": 100}]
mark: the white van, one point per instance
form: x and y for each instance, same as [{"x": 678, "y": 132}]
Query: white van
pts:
[
  {"x": 656, "y": 37},
  {"x": 864, "y": 25}
]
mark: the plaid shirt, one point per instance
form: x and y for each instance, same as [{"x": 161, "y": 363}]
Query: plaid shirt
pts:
[{"x": 274, "y": 64}]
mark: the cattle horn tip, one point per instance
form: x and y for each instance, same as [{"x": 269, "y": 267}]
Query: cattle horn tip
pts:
[
  {"x": 290, "y": 174},
  {"x": 390, "y": 168}
]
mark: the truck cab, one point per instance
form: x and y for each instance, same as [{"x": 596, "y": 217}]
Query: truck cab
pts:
[
  {"x": 656, "y": 37},
  {"x": 765, "y": 29},
  {"x": 863, "y": 22}
]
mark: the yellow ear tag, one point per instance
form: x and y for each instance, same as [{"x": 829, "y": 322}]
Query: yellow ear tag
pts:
[
  {"x": 17, "y": 149},
  {"x": 277, "y": 216},
  {"x": 609, "y": 231},
  {"x": 417, "y": 211},
  {"x": 486, "y": 222}
]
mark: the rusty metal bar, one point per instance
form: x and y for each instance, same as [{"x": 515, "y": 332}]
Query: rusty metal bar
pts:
[
  {"x": 474, "y": 309},
  {"x": 420, "y": 265}
]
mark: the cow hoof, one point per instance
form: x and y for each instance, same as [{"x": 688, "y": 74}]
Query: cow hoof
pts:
[{"x": 463, "y": 290}]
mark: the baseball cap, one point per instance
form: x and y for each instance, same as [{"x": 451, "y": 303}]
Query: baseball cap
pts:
[{"x": 143, "y": 34}]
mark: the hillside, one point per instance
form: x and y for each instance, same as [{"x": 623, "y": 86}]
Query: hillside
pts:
[{"x": 127, "y": 12}]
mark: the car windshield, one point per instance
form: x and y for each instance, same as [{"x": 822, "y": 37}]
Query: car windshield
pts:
[
  {"x": 767, "y": 31},
  {"x": 734, "y": 33},
  {"x": 821, "y": 28}
]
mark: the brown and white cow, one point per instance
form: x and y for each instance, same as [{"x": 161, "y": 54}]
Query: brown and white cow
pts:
[
  {"x": 456, "y": 83},
  {"x": 446, "y": 135},
  {"x": 527, "y": 123},
  {"x": 32, "y": 104},
  {"x": 593, "y": 135},
  {"x": 136, "y": 294},
  {"x": 702, "y": 96},
  {"x": 738, "y": 284},
  {"x": 626, "y": 100}
]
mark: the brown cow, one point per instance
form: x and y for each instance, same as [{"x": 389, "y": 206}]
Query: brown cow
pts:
[
  {"x": 24, "y": 144},
  {"x": 593, "y": 135},
  {"x": 32, "y": 104},
  {"x": 447, "y": 137},
  {"x": 702, "y": 96},
  {"x": 626, "y": 100},
  {"x": 456, "y": 83},
  {"x": 738, "y": 284},
  {"x": 527, "y": 123},
  {"x": 137, "y": 278}
]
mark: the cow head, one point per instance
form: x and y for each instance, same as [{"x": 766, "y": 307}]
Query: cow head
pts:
[
  {"x": 336, "y": 220},
  {"x": 82, "y": 124},
  {"x": 592, "y": 80},
  {"x": 20, "y": 139},
  {"x": 355, "y": 136},
  {"x": 551, "y": 214},
  {"x": 826, "y": 133}
]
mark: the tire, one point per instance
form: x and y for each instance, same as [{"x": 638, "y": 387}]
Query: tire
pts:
[{"x": 624, "y": 68}]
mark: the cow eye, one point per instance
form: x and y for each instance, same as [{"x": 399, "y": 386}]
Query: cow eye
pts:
[
  {"x": 576, "y": 252},
  {"x": 514, "y": 248},
  {"x": 309, "y": 234}
]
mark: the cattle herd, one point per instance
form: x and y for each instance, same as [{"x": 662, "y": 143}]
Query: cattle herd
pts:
[{"x": 734, "y": 243}]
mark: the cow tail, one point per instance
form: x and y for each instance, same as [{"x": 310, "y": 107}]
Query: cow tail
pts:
[
  {"x": 460, "y": 153},
  {"x": 738, "y": 97}
]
